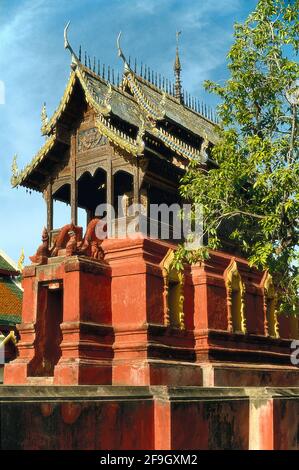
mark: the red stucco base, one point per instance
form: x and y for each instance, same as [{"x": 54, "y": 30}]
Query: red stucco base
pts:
[
  {"x": 177, "y": 418},
  {"x": 103, "y": 322}
]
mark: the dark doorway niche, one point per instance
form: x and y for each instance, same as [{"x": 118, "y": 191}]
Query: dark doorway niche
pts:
[{"x": 48, "y": 327}]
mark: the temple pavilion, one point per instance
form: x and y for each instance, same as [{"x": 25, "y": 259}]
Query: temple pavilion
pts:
[
  {"x": 94, "y": 310},
  {"x": 131, "y": 136}
]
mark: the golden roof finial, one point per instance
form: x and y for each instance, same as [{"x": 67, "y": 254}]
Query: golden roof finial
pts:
[
  {"x": 177, "y": 70},
  {"x": 44, "y": 116},
  {"x": 75, "y": 60},
  {"x": 14, "y": 167},
  {"x": 121, "y": 54},
  {"x": 21, "y": 261}
]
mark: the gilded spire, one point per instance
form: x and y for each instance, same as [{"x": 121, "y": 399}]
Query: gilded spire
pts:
[{"x": 177, "y": 71}]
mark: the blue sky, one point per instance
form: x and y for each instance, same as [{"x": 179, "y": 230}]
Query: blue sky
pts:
[{"x": 34, "y": 68}]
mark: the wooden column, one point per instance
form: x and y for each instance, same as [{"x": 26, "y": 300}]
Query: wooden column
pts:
[
  {"x": 49, "y": 202},
  {"x": 109, "y": 183},
  {"x": 109, "y": 196},
  {"x": 74, "y": 185},
  {"x": 136, "y": 184}
]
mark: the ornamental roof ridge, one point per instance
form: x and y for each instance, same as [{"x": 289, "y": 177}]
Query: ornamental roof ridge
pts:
[
  {"x": 149, "y": 108},
  {"x": 149, "y": 78},
  {"x": 199, "y": 108},
  {"x": 17, "y": 179},
  {"x": 177, "y": 145},
  {"x": 47, "y": 129},
  {"x": 119, "y": 138},
  {"x": 168, "y": 89},
  {"x": 144, "y": 108}
]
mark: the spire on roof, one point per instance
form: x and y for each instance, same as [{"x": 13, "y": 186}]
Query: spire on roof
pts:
[{"x": 177, "y": 71}]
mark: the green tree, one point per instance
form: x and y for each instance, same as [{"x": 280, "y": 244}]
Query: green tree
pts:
[{"x": 254, "y": 189}]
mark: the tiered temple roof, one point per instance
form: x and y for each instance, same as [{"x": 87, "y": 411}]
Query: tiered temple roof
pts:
[{"x": 140, "y": 110}]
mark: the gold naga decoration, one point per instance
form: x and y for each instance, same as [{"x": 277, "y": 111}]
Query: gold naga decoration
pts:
[
  {"x": 10, "y": 337},
  {"x": 48, "y": 127},
  {"x": 101, "y": 106},
  {"x": 44, "y": 116},
  {"x": 271, "y": 325},
  {"x": 176, "y": 145},
  {"x": 235, "y": 290},
  {"x": 173, "y": 292},
  {"x": 18, "y": 176},
  {"x": 21, "y": 261},
  {"x": 153, "y": 114},
  {"x": 103, "y": 109},
  {"x": 119, "y": 138},
  {"x": 150, "y": 110},
  {"x": 14, "y": 169}
]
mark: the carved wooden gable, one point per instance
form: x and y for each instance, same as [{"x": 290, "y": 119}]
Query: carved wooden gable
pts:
[{"x": 90, "y": 139}]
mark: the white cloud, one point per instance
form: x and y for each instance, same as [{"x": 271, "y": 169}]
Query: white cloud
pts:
[{"x": 199, "y": 12}]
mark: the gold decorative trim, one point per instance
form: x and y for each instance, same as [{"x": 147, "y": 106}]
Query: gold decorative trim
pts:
[
  {"x": 101, "y": 106},
  {"x": 120, "y": 139},
  {"x": 16, "y": 179},
  {"x": 14, "y": 167},
  {"x": 270, "y": 304},
  {"x": 10, "y": 337},
  {"x": 234, "y": 283},
  {"x": 21, "y": 261},
  {"x": 47, "y": 128},
  {"x": 150, "y": 109},
  {"x": 176, "y": 145},
  {"x": 171, "y": 274},
  {"x": 44, "y": 116}
]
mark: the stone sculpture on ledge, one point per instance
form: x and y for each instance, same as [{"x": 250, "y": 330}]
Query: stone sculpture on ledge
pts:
[
  {"x": 69, "y": 242},
  {"x": 117, "y": 312}
]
